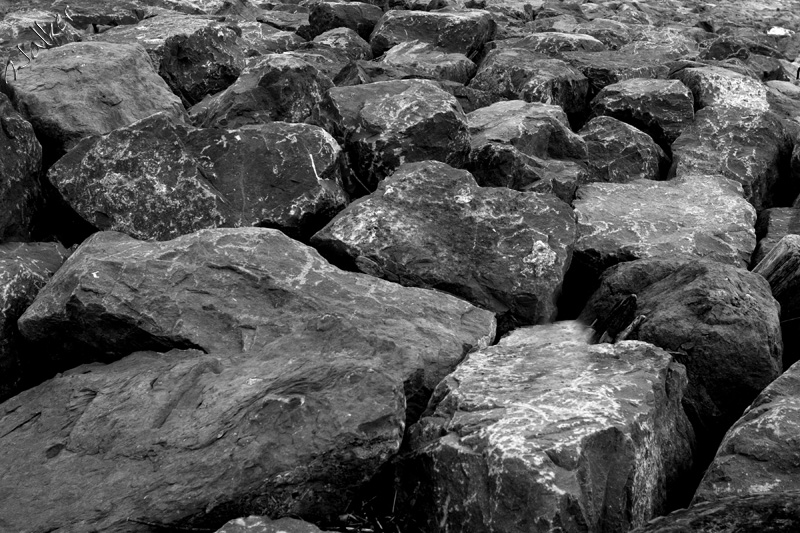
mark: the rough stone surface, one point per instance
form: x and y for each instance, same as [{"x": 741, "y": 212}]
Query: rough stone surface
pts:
[
  {"x": 552, "y": 43},
  {"x": 461, "y": 31},
  {"x": 544, "y": 432},
  {"x": 429, "y": 225},
  {"x": 761, "y": 452},
  {"x": 20, "y": 164},
  {"x": 83, "y": 89},
  {"x": 422, "y": 59},
  {"x": 358, "y": 16},
  {"x": 613, "y": 66},
  {"x": 24, "y": 270},
  {"x": 620, "y": 153},
  {"x": 273, "y": 87},
  {"x": 774, "y": 224},
  {"x": 517, "y": 73},
  {"x": 346, "y": 41},
  {"x": 748, "y": 146},
  {"x": 704, "y": 216},
  {"x": 385, "y": 124},
  {"x": 262, "y": 524},
  {"x": 195, "y": 56},
  {"x": 660, "y": 108},
  {"x": 720, "y": 86},
  {"x": 262, "y": 39}
]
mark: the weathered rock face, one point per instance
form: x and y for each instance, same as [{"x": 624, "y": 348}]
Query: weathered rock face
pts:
[
  {"x": 720, "y": 321},
  {"x": 358, "y": 16},
  {"x": 274, "y": 87},
  {"x": 385, "y": 124},
  {"x": 660, "y": 108},
  {"x": 605, "y": 68},
  {"x": 760, "y": 453},
  {"x": 620, "y": 153},
  {"x": 429, "y": 225},
  {"x": 717, "y": 86},
  {"x": 423, "y": 59},
  {"x": 777, "y": 512},
  {"x": 291, "y": 19},
  {"x": 262, "y": 524},
  {"x": 83, "y": 89},
  {"x": 257, "y": 288},
  {"x": 261, "y": 39},
  {"x": 774, "y": 224},
  {"x": 704, "y": 216},
  {"x": 747, "y": 146},
  {"x": 20, "y": 164},
  {"x": 195, "y": 56},
  {"x": 554, "y": 42},
  {"x": 517, "y": 73},
  {"x": 24, "y": 270},
  {"x": 544, "y": 432},
  {"x": 346, "y": 41},
  {"x": 156, "y": 180},
  {"x": 461, "y": 31}
]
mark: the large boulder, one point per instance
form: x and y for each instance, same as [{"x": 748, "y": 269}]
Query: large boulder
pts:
[
  {"x": 552, "y": 43},
  {"x": 773, "y": 225},
  {"x": 544, "y": 432},
  {"x": 20, "y": 165},
  {"x": 760, "y": 453},
  {"x": 262, "y": 524},
  {"x": 342, "y": 40},
  {"x": 384, "y": 124},
  {"x": 745, "y": 145},
  {"x": 613, "y": 66},
  {"x": 196, "y": 56},
  {"x": 358, "y": 16},
  {"x": 717, "y": 86},
  {"x": 429, "y": 225},
  {"x": 91, "y": 88},
  {"x": 424, "y": 60}
]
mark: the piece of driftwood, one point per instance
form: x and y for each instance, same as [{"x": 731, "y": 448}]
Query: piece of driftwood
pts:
[
  {"x": 781, "y": 268},
  {"x": 608, "y": 328}
]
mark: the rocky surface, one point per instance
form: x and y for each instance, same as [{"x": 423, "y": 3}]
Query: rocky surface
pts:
[
  {"x": 545, "y": 432},
  {"x": 260, "y": 524}
]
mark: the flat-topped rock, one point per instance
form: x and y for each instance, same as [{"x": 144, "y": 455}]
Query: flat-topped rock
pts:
[
  {"x": 358, "y": 16},
  {"x": 723, "y": 87},
  {"x": 423, "y": 59}
]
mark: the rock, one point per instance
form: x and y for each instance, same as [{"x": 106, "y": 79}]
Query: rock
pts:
[
  {"x": 520, "y": 74},
  {"x": 20, "y": 164},
  {"x": 24, "y": 269},
  {"x": 469, "y": 98},
  {"x": 703, "y": 216},
  {"x": 781, "y": 268},
  {"x": 83, "y": 89},
  {"x": 358, "y": 16},
  {"x": 155, "y": 180},
  {"x": 274, "y": 87},
  {"x": 786, "y": 107},
  {"x": 745, "y": 145},
  {"x": 777, "y": 512},
  {"x": 545, "y": 432},
  {"x": 195, "y": 56},
  {"x": 715, "y": 86},
  {"x": 429, "y": 225},
  {"x": 719, "y": 321},
  {"x": 422, "y": 59},
  {"x": 605, "y": 68},
  {"x": 262, "y": 524},
  {"x": 620, "y": 153},
  {"x": 760, "y": 452},
  {"x": 660, "y": 108},
  {"x": 294, "y": 21},
  {"x": 773, "y": 224},
  {"x": 553, "y": 43},
  {"x": 328, "y": 60},
  {"x": 385, "y": 124},
  {"x": 363, "y": 72},
  {"x": 346, "y": 41},
  {"x": 464, "y": 31},
  {"x": 260, "y": 39}
]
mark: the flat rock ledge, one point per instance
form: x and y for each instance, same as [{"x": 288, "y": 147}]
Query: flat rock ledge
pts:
[{"x": 544, "y": 432}]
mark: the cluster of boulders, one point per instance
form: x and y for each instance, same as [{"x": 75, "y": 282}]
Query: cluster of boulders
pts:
[{"x": 408, "y": 266}]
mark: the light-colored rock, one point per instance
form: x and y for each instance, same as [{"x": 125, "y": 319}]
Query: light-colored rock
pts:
[
  {"x": 421, "y": 58},
  {"x": 723, "y": 87}
]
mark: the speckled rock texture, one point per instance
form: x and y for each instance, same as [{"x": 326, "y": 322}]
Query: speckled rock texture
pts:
[
  {"x": 553, "y": 42},
  {"x": 774, "y": 224},
  {"x": 660, "y": 108},
  {"x": 704, "y": 216},
  {"x": 720, "y": 321},
  {"x": 612, "y": 66},
  {"x": 90, "y": 89},
  {"x": 544, "y": 432},
  {"x": 156, "y": 180},
  {"x": 382, "y": 125},
  {"x": 358, "y": 16},
  {"x": 423, "y": 59},
  {"x": 343, "y": 40},
  {"x": 20, "y": 165},
  {"x": 761, "y": 452},
  {"x": 621, "y": 153},
  {"x": 516, "y": 73},
  {"x": 24, "y": 269},
  {"x": 719, "y": 86},
  {"x": 272, "y": 87},
  {"x": 261, "y": 39},
  {"x": 429, "y": 225},
  {"x": 195, "y": 56},
  {"x": 262, "y": 524},
  {"x": 745, "y": 145}
]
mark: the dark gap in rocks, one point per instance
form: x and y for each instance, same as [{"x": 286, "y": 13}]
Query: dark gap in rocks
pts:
[
  {"x": 580, "y": 282},
  {"x": 790, "y": 330}
]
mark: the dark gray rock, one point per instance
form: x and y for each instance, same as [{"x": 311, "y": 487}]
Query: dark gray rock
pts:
[
  {"x": 424, "y": 60},
  {"x": 612, "y": 66},
  {"x": 553, "y": 43},
  {"x": 429, "y": 225},
  {"x": 262, "y": 524},
  {"x": 346, "y": 41},
  {"x": 774, "y": 224},
  {"x": 261, "y": 39},
  {"x": 717, "y": 86},
  {"x": 358, "y": 16}
]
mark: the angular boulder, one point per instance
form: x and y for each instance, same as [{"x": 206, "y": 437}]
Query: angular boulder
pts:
[
  {"x": 717, "y": 86},
  {"x": 612, "y": 66},
  {"x": 358, "y": 16},
  {"x": 384, "y": 124},
  {"x": 343, "y": 40},
  {"x": 91, "y": 88},
  {"x": 546, "y": 432},
  {"x": 660, "y": 108},
  {"x": 620, "y": 153},
  {"x": 423, "y": 59},
  {"x": 261, "y": 39},
  {"x": 773, "y": 225},
  {"x": 551, "y": 43},
  {"x": 429, "y": 225},
  {"x": 262, "y": 524}
]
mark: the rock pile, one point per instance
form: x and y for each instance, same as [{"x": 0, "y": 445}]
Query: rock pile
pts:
[{"x": 399, "y": 266}]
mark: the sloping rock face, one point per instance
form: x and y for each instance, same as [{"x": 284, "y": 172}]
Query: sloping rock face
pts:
[
  {"x": 544, "y": 432},
  {"x": 553, "y": 42},
  {"x": 358, "y": 16},
  {"x": 429, "y": 225},
  {"x": 761, "y": 452},
  {"x": 261, "y": 524},
  {"x": 774, "y": 224},
  {"x": 343, "y": 40},
  {"x": 195, "y": 56},
  {"x": 20, "y": 164},
  {"x": 723, "y": 87},
  {"x": 24, "y": 270},
  {"x": 382, "y": 125},
  {"x": 422, "y": 59},
  {"x": 90, "y": 89}
]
